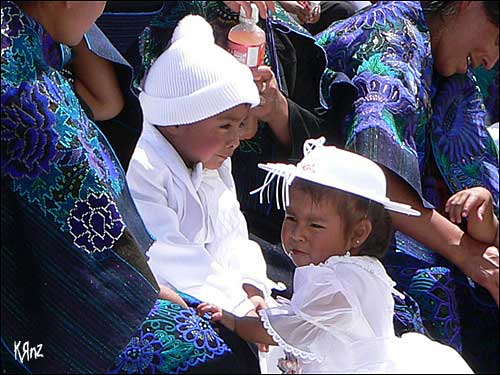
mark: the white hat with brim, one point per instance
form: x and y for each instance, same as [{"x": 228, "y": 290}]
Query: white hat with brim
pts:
[{"x": 339, "y": 169}]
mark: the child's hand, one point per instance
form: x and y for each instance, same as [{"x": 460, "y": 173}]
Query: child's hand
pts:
[
  {"x": 217, "y": 315},
  {"x": 477, "y": 200}
]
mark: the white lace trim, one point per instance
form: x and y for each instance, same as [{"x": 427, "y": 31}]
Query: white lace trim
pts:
[
  {"x": 283, "y": 344},
  {"x": 365, "y": 262}
]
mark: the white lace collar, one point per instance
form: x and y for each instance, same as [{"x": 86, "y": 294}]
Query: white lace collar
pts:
[{"x": 368, "y": 263}]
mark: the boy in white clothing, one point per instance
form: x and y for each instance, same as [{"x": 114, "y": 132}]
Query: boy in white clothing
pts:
[{"x": 195, "y": 98}]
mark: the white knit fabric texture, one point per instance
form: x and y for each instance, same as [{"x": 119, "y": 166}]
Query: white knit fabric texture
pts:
[{"x": 194, "y": 79}]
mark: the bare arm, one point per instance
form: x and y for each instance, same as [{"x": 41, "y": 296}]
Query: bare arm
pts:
[
  {"x": 474, "y": 258},
  {"x": 170, "y": 295},
  {"x": 96, "y": 83},
  {"x": 249, "y": 328},
  {"x": 255, "y": 295}
]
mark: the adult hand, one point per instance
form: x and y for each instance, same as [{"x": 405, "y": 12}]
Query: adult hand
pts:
[
  {"x": 314, "y": 14},
  {"x": 262, "y": 5},
  {"x": 294, "y": 7},
  {"x": 271, "y": 98},
  {"x": 273, "y": 107},
  {"x": 481, "y": 265},
  {"x": 311, "y": 13},
  {"x": 249, "y": 127}
]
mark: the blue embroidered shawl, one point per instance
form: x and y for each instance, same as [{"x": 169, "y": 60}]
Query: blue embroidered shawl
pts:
[
  {"x": 407, "y": 116},
  {"x": 74, "y": 273},
  {"x": 423, "y": 127}
]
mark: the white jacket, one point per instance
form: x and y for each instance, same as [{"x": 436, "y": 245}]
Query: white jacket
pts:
[{"x": 202, "y": 245}]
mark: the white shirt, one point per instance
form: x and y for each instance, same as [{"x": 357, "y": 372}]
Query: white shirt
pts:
[
  {"x": 202, "y": 245},
  {"x": 340, "y": 319}
]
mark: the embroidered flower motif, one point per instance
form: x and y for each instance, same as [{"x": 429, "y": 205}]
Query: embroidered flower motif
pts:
[
  {"x": 11, "y": 25},
  {"x": 382, "y": 14},
  {"x": 458, "y": 120},
  {"x": 95, "y": 223},
  {"x": 99, "y": 159},
  {"x": 28, "y": 138},
  {"x": 142, "y": 355},
  {"x": 198, "y": 331},
  {"x": 381, "y": 99}
]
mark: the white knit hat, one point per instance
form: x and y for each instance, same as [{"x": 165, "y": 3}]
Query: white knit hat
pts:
[{"x": 195, "y": 79}]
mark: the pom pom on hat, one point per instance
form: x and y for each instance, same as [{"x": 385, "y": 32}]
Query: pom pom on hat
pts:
[
  {"x": 194, "y": 28},
  {"x": 194, "y": 79}
]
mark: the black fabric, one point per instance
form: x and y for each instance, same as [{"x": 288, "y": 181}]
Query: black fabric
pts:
[
  {"x": 244, "y": 359},
  {"x": 279, "y": 266}
]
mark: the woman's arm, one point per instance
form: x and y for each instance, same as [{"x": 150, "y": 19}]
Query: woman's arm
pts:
[
  {"x": 474, "y": 258},
  {"x": 96, "y": 83}
]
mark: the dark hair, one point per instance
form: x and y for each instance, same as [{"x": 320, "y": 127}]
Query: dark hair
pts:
[
  {"x": 446, "y": 8},
  {"x": 354, "y": 208}
]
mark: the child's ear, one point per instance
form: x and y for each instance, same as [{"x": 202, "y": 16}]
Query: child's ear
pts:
[
  {"x": 359, "y": 234},
  {"x": 169, "y": 130}
]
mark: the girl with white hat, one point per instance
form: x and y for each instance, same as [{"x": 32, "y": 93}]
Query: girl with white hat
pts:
[
  {"x": 340, "y": 318},
  {"x": 194, "y": 100}
]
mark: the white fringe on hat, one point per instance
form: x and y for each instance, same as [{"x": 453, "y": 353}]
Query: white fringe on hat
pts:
[{"x": 194, "y": 79}]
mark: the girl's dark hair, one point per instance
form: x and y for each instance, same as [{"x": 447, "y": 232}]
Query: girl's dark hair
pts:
[
  {"x": 446, "y": 8},
  {"x": 354, "y": 208}
]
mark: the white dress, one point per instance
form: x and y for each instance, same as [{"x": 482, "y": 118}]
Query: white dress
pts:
[
  {"x": 339, "y": 320},
  {"x": 202, "y": 246}
]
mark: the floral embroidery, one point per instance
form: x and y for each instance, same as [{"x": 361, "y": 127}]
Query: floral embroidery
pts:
[
  {"x": 160, "y": 345},
  {"x": 11, "y": 25},
  {"x": 458, "y": 111},
  {"x": 381, "y": 98},
  {"x": 95, "y": 223},
  {"x": 28, "y": 138},
  {"x": 51, "y": 151},
  {"x": 197, "y": 330},
  {"x": 142, "y": 355}
]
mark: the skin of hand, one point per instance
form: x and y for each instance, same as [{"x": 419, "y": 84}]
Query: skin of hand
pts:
[
  {"x": 262, "y": 5},
  {"x": 475, "y": 204},
  {"x": 476, "y": 259},
  {"x": 311, "y": 14},
  {"x": 294, "y": 7},
  {"x": 249, "y": 127},
  {"x": 256, "y": 296},
  {"x": 249, "y": 328},
  {"x": 273, "y": 108},
  {"x": 477, "y": 200},
  {"x": 228, "y": 320},
  {"x": 169, "y": 294}
]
